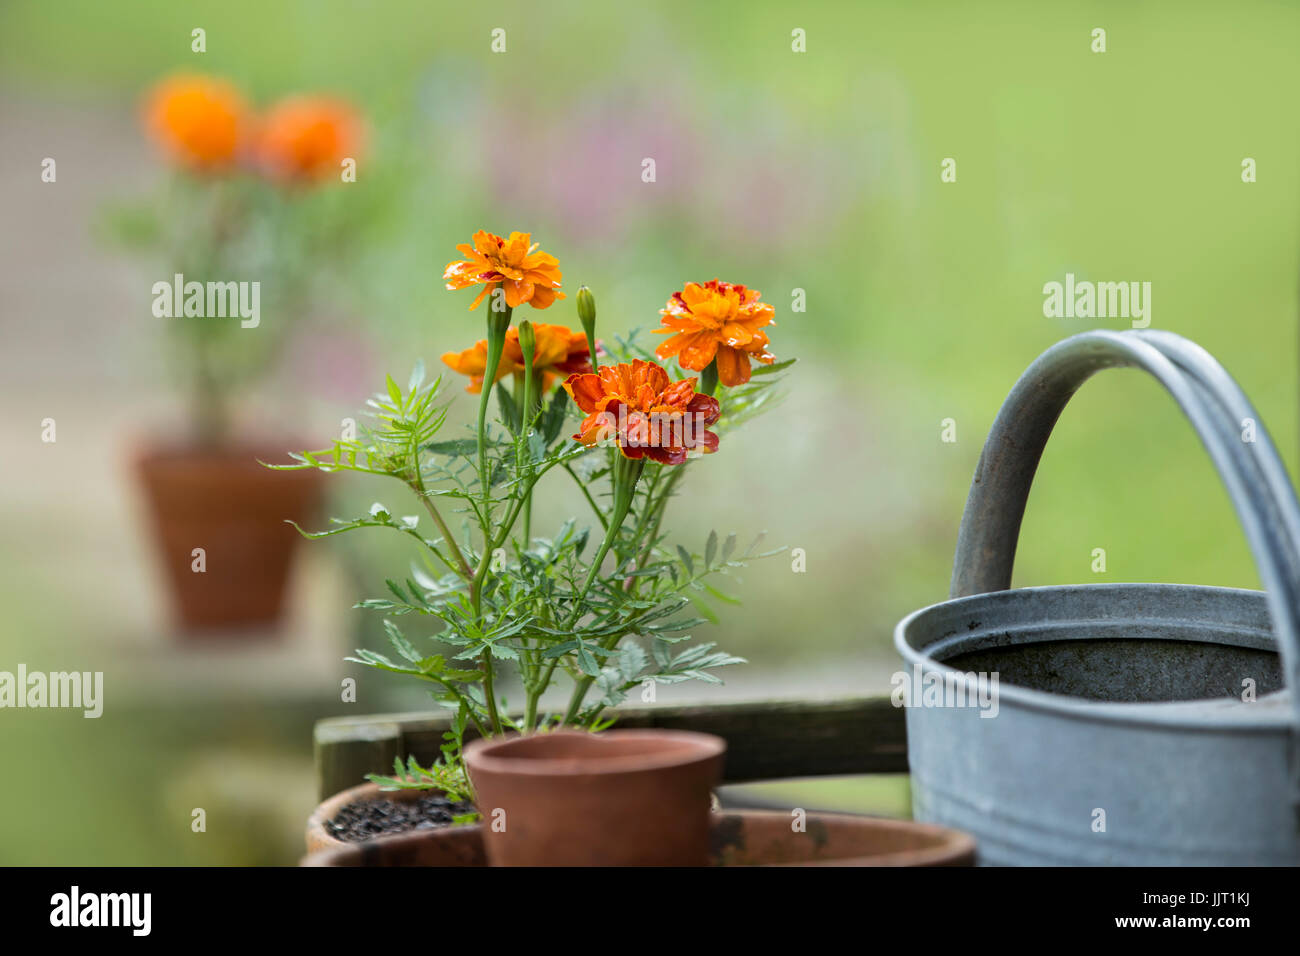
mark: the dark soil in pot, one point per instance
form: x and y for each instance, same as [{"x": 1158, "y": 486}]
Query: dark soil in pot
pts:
[
  {"x": 364, "y": 812},
  {"x": 366, "y": 819}
]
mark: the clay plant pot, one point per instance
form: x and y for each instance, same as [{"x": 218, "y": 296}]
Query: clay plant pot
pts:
[
  {"x": 618, "y": 798},
  {"x": 223, "y": 501},
  {"x": 319, "y": 836},
  {"x": 737, "y": 838}
]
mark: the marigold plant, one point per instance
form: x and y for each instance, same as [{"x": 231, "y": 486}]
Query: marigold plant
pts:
[
  {"x": 645, "y": 414},
  {"x": 240, "y": 204},
  {"x": 200, "y": 121},
  {"x": 717, "y": 328},
  {"x": 304, "y": 139},
  {"x": 611, "y": 604},
  {"x": 513, "y": 266}
]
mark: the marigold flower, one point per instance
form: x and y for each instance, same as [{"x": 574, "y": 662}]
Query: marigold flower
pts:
[
  {"x": 644, "y": 411},
  {"x": 199, "y": 121},
  {"x": 306, "y": 138},
  {"x": 717, "y": 320},
  {"x": 527, "y": 275},
  {"x": 559, "y": 351}
]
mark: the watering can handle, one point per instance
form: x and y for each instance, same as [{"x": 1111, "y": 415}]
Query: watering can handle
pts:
[{"x": 1255, "y": 477}]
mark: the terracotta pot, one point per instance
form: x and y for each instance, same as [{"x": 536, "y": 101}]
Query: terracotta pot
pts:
[
  {"x": 768, "y": 838},
  {"x": 319, "y": 836},
  {"x": 619, "y": 798},
  {"x": 450, "y": 846},
  {"x": 737, "y": 838},
  {"x": 223, "y": 501}
]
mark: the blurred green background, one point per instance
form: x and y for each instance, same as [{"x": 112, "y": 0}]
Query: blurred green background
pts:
[{"x": 816, "y": 171}]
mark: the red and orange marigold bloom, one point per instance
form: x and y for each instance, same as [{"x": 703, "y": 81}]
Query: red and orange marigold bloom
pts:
[
  {"x": 559, "y": 351},
  {"x": 644, "y": 412},
  {"x": 717, "y": 320},
  {"x": 526, "y": 275},
  {"x": 200, "y": 122},
  {"x": 306, "y": 138}
]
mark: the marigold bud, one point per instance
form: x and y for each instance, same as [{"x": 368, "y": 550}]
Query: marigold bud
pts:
[
  {"x": 587, "y": 309},
  {"x": 527, "y": 341},
  {"x": 587, "y": 315}
]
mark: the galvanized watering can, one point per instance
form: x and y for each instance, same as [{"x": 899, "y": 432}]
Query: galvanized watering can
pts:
[{"x": 1121, "y": 729}]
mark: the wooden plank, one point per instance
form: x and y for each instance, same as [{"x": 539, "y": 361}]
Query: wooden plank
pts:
[
  {"x": 346, "y": 749},
  {"x": 765, "y": 739}
]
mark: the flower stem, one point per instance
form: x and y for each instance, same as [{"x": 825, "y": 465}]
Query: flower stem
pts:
[
  {"x": 627, "y": 471},
  {"x": 580, "y": 689},
  {"x": 709, "y": 378},
  {"x": 528, "y": 521},
  {"x": 208, "y": 399},
  {"x": 461, "y": 564},
  {"x": 604, "y": 522},
  {"x": 625, "y": 474},
  {"x": 489, "y": 693},
  {"x": 530, "y": 708},
  {"x": 497, "y": 323},
  {"x": 659, "y": 507},
  {"x": 523, "y": 453}
]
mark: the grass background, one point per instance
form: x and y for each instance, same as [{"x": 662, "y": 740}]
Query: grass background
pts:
[{"x": 816, "y": 171}]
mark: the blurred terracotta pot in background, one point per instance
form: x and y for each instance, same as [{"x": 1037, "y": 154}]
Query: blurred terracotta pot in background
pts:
[
  {"x": 618, "y": 798},
  {"x": 222, "y": 501}
]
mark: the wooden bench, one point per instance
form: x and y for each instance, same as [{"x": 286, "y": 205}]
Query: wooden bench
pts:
[{"x": 766, "y": 740}]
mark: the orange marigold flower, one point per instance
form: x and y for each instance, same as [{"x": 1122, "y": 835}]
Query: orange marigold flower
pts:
[
  {"x": 306, "y": 138},
  {"x": 645, "y": 412},
  {"x": 200, "y": 121},
  {"x": 527, "y": 275},
  {"x": 559, "y": 351},
  {"x": 717, "y": 320}
]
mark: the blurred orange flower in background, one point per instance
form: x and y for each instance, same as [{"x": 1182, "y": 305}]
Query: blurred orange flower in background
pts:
[
  {"x": 526, "y": 275},
  {"x": 306, "y": 138},
  {"x": 638, "y": 406},
  {"x": 200, "y": 121},
  {"x": 718, "y": 320},
  {"x": 559, "y": 351}
]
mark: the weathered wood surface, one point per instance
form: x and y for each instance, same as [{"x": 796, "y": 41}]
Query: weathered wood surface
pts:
[{"x": 765, "y": 740}]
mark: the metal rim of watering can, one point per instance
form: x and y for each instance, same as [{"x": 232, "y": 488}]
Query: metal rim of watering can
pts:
[
  {"x": 1257, "y": 484},
  {"x": 1182, "y": 714}
]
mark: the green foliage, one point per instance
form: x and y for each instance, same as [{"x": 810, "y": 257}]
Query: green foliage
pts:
[
  {"x": 446, "y": 774},
  {"x": 615, "y": 615},
  {"x": 224, "y": 228}
]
